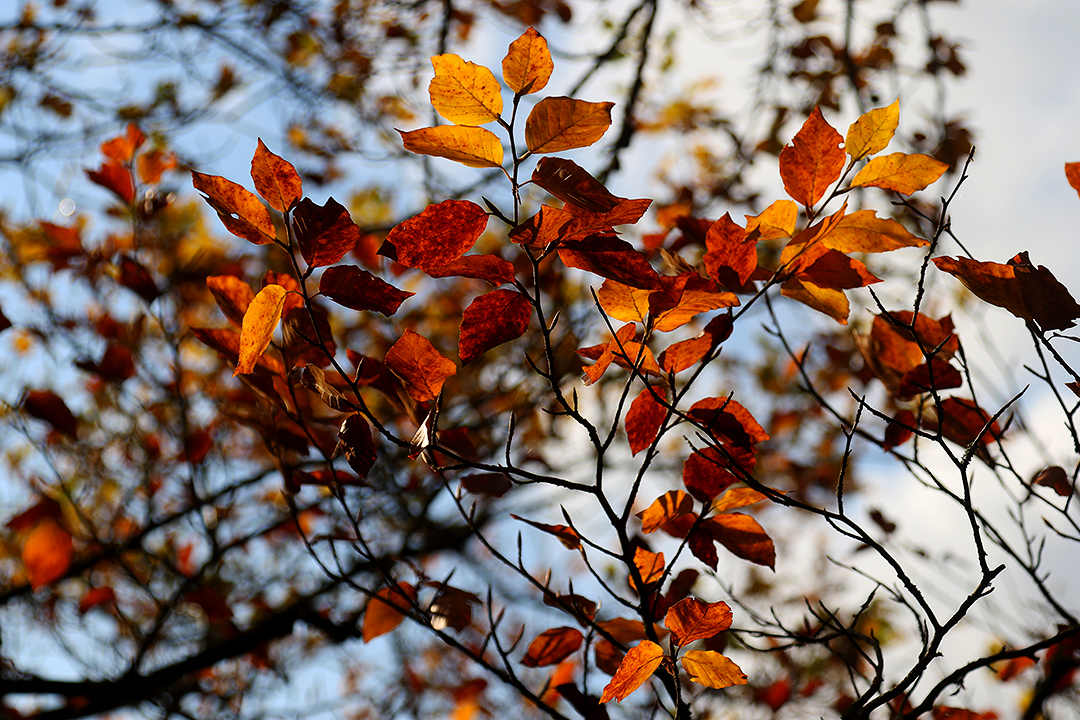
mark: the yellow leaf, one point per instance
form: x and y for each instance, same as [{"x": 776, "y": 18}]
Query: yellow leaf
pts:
[
  {"x": 47, "y": 553},
  {"x": 260, "y": 320},
  {"x": 776, "y": 221},
  {"x": 472, "y": 146},
  {"x": 872, "y": 132},
  {"x": 623, "y": 302},
  {"x": 527, "y": 65},
  {"x": 901, "y": 172},
  {"x": 637, "y": 667},
  {"x": 562, "y": 123},
  {"x": 736, "y": 498},
  {"x": 711, "y": 669},
  {"x": 862, "y": 231},
  {"x": 827, "y": 300},
  {"x": 463, "y": 92}
]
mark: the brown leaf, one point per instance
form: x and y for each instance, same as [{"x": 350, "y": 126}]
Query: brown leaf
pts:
[
  {"x": 358, "y": 289},
  {"x": 324, "y": 233},
  {"x": 239, "y": 210},
  {"x": 386, "y": 609},
  {"x": 552, "y": 646},
  {"x": 47, "y": 553},
  {"x": 567, "y": 536},
  {"x": 527, "y": 65},
  {"x": 572, "y": 184},
  {"x": 561, "y": 123},
  {"x": 1056, "y": 478},
  {"x": 707, "y": 473},
  {"x": 260, "y": 321},
  {"x": 897, "y": 432},
  {"x": 354, "y": 441},
  {"x": 137, "y": 278},
  {"x": 918, "y": 380},
  {"x": 702, "y": 545},
  {"x": 672, "y": 505},
  {"x": 737, "y": 497},
  {"x": 463, "y": 92},
  {"x": 711, "y": 669},
  {"x": 730, "y": 257},
  {"x": 727, "y": 419},
  {"x": 636, "y": 667},
  {"x": 813, "y": 161},
  {"x": 491, "y": 320},
  {"x": 493, "y": 484},
  {"x": 314, "y": 379},
  {"x": 906, "y": 174},
  {"x": 543, "y": 228},
  {"x": 48, "y": 406},
  {"x": 275, "y": 179},
  {"x": 489, "y": 268},
  {"x": 439, "y": 235},
  {"x": 744, "y": 537},
  {"x": 1072, "y": 174},
  {"x": 644, "y": 418},
  {"x": 421, "y": 368}
]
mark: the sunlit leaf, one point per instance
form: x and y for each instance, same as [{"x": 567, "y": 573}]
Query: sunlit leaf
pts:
[
  {"x": 775, "y": 222},
  {"x": 644, "y": 418},
  {"x": 871, "y": 133},
  {"x": 386, "y": 610},
  {"x": 813, "y": 161},
  {"x": 566, "y": 535},
  {"x": 685, "y": 353},
  {"x": 561, "y": 123},
  {"x": 463, "y": 92},
  {"x": 906, "y": 174},
  {"x": 552, "y": 646},
  {"x": 239, "y": 210},
  {"x": 47, "y": 553},
  {"x": 650, "y": 565},
  {"x": 711, "y": 669},
  {"x": 471, "y": 146},
  {"x": 729, "y": 257},
  {"x": 421, "y": 368},
  {"x": 489, "y": 268},
  {"x": 232, "y": 295},
  {"x": 94, "y": 597},
  {"x": 275, "y": 179},
  {"x": 492, "y": 319},
  {"x": 440, "y": 234},
  {"x": 636, "y": 667},
  {"x": 862, "y": 231},
  {"x": 527, "y": 65},
  {"x": 826, "y": 300},
  {"x": 736, "y": 497},
  {"x": 260, "y": 321},
  {"x": 670, "y": 506},
  {"x": 728, "y": 419},
  {"x": 610, "y": 257},
  {"x": 744, "y": 537}
]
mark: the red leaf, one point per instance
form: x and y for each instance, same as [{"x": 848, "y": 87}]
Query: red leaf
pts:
[
  {"x": 685, "y": 353},
  {"x": 116, "y": 364},
  {"x": 358, "y": 289},
  {"x": 896, "y": 433},
  {"x": 439, "y": 235},
  {"x": 421, "y": 368},
  {"x": 543, "y": 228},
  {"x": 136, "y": 278},
  {"x": 727, "y": 419},
  {"x": 702, "y": 545},
  {"x": 354, "y": 440},
  {"x": 552, "y": 646},
  {"x": 275, "y": 179},
  {"x": 324, "y": 233},
  {"x": 48, "y": 406},
  {"x": 489, "y": 268},
  {"x": 94, "y": 597},
  {"x": 730, "y": 257},
  {"x": 691, "y": 619},
  {"x": 239, "y": 210},
  {"x": 607, "y": 353},
  {"x": 707, "y": 473},
  {"x": 918, "y": 379},
  {"x": 492, "y": 319},
  {"x": 644, "y": 418},
  {"x": 114, "y": 177},
  {"x": 963, "y": 422},
  {"x": 386, "y": 610},
  {"x": 610, "y": 257},
  {"x": 813, "y": 161},
  {"x": 493, "y": 484},
  {"x": 1054, "y": 477},
  {"x": 564, "y": 534}
]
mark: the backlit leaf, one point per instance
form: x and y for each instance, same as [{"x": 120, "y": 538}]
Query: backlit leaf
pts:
[
  {"x": 386, "y": 609},
  {"x": 826, "y": 300},
  {"x": 862, "y": 231},
  {"x": 650, "y": 565},
  {"x": 1054, "y": 477},
  {"x": 610, "y": 257},
  {"x": 937, "y": 374},
  {"x": 463, "y": 92},
  {"x": 644, "y": 418},
  {"x": 566, "y": 535},
  {"x": 670, "y": 506},
  {"x": 95, "y": 597},
  {"x": 275, "y": 179},
  {"x": 47, "y": 553},
  {"x": 707, "y": 473},
  {"x": 871, "y": 133},
  {"x": 729, "y": 257},
  {"x": 727, "y": 419},
  {"x": 543, "y": 228},
  {"x": 471, "y": 146},
  {"x": 116, "y": 178},
  {"x": 260, "y": 321},
  {"x": 813, "y": 161},
  {"x": 562, "y": 123},
  {"x": 232, "y": 296},
  {"x": 711, "y": 669},
  {"x": 775, "y": 222},
  {"x": 552, "y": 646},
  {"x": 636, "y": 667},
  {"x": 50, "y": 407},
  {"x": 239, "y": 210},
  {"x": 492, "y": 319},
  {"x": 1072, "y": 174},
  {"x": 324, "y": 233},
  {"x": 736, "y": 497},
  {"x": 527, "y": 65},
  {"x": 906, "y": 174},
  {"x": 607, "y": 353},
  {"x": 683, "y": 297},
  {"x": 421, "y": 368},
  {"x": 489, "y": 268},
  {"x": 685, "y": 353},
  {"x": 355, "y": 443},
  {"x": 964, "y": 422},
  {"x": 744, "y": 537},
  {"x": 692, "y": 619},
  {"x": 622, "y": 302},
  {"x": 572, "y": 184},
  {"x": 358, "y": 289},
  {"x": 440, "y": 234}
]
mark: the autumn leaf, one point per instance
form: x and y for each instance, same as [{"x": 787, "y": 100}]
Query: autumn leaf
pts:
[
  {"x": 232, "y": 295},
  {"x": 116, "y": 178},
  {"x": 421, "y": 368},
  {"x": 684, "y": 354},
  {"x": 489, "y": 268},
  {"x": 644, "y": 418},
  {"x": 737, "y": 497},
  {"x": 440, "y": 234},
  {"x": 906, "y": 174},
  {"x": 692, "y": 619},
  {"x": 356, "y": 288},
  {"x": 566, "y": 535},
  {"x": 1054, "y": 477},
  {"x": 636, "y": 667},
  {"x": 937, "y": 374},
  {"x": 863, "y": 232},
  {"x": 871, "y": 133},
  {"x": 670, "y": 506},
  {"x": 552, "y": 646},
  {"x": 775, "y": 222},
  {"x": 812, "y": 162},
  {"x": 728, "y": 419},
  {"x": 527, "y": 65},
  {"x": 239, "y": 210},
  {"x": 711, "y": 669},
  {"x": 463, "y": 92},
  {"x": 623, "y": 302},
  {"x": 684, "y": 296},
  {"x": 744, "y": 537},
  {"x": 47, "y": 553},
  {"x": 1072, "y": 174},
  {"x": 829, "y": 301},
  {"x": 386, "y": 610},
  {"x": 730, "y": 257},
  {"x": 897, "y": 433},
  {"x": 610, "y": 257},
  {"x": 275, "y": 179},
  {"x": 595, "y": 371},
  {"x": 707, "y": 473},
  {"x": 964, "y": 422},
  {"x": 493, "y": 484},
  {"x": 94, "y": 597},
  {"x": 50, "y": 407},
  {"x": 572, "y": 184},
  {"x": 492, "y": 319},
  {"x": 543, "y": 228},
  {"x": 471, "y": 146},
  {"x": 355, "y": 443},
  {"x": 324, "y": 233},
  {"x": 561, "y": 123},
  {"x": 650, "y": 565},
  {"x": 260, "y": 321}
]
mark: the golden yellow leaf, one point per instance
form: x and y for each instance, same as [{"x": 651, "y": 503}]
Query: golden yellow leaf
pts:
[
  {"x": 527, "y": 65},
  {"x": 901, "y": 172},
  {"x": 562, "y": 123},
  {"x": 827, "y": 300},
  {"x": 872, "y": 132},
  {"x": 260, "y": 320},
  {"x": 711, "y": 669},
  {"x": 463, "y": 92},
  {"x": 776, "y": 221},
  {"x": 736, "y": 498},
  {"x": 623, "y": 302},
  {"x": 472, "y": 146},
  {"x": 862, "y": 231},
  {"x": 637, "y": 667}
]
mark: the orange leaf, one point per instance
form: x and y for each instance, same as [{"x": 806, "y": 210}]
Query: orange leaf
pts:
[
  {"x": 386, "y": 610},
  {"x": 826, "y": 300},
  {"x": 670, "y": 506},
  {"x": 812, "y": 162},
  {"x": 421, "y": 368},
  {"x": 707, "y": 473},
  {"x": 691, "y": 619},
  {"x": 471, "y": 146},
  {"x": 711, "y": 669},
  {"x": 736, "y": 497},
  {"x": 683, "y": 354},
  {"x": 730, "y": 257},
  {"x": 47, "y": 553},
  {"x": 114, "y": 177},
  {"x": 1072, "y": 174},
  {"x": 744, "y": 537},
  {"x": 527, "y": 65},
  {"x": 260, "y": 321},
  {"x": 684, "y": 296},
  {"x": 637, "y": 667},
  {"x": 492, "y": 319},
  {"x": 862, "y": 231},
  {"x": 552, "y": 646},
  {"x": 94, "y": 597},
  {"x": 649, "y": 564},
  {"x": 463, "y": 92},
  {"x": 543, "y": 228},
  {"x": 906, "y": 174},
  {"x": 232, "y": 295},
  {"x": 607, "y": 353},
  {"x": 871, "y": 133},
  {"x": 239, "y": 210},
  {"x": 776, "y": 221},
  {"x": 275, "y": 179},
  {"x": 122, "y": 148},
  {"x": 622, "y": 302},
  {"x": 153, "y": 164},
  {"x": 564, "y": 534},
  {"x": 440, "y": 234},
  {"x": 562, "y": 123},
  {"x": 644, "y": 418}
]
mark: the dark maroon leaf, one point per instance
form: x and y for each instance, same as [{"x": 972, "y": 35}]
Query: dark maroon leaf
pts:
[
  {"x": 48, "y": 406},
  {"x": 135, "y": 277},
  {"x": 354, "y": 441},
  {"x": 492, "y": 319},
  {"x": 324, "y": 233},
  {"x": 358, "y": 289},
  {"x": 610, "y": 257}
]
